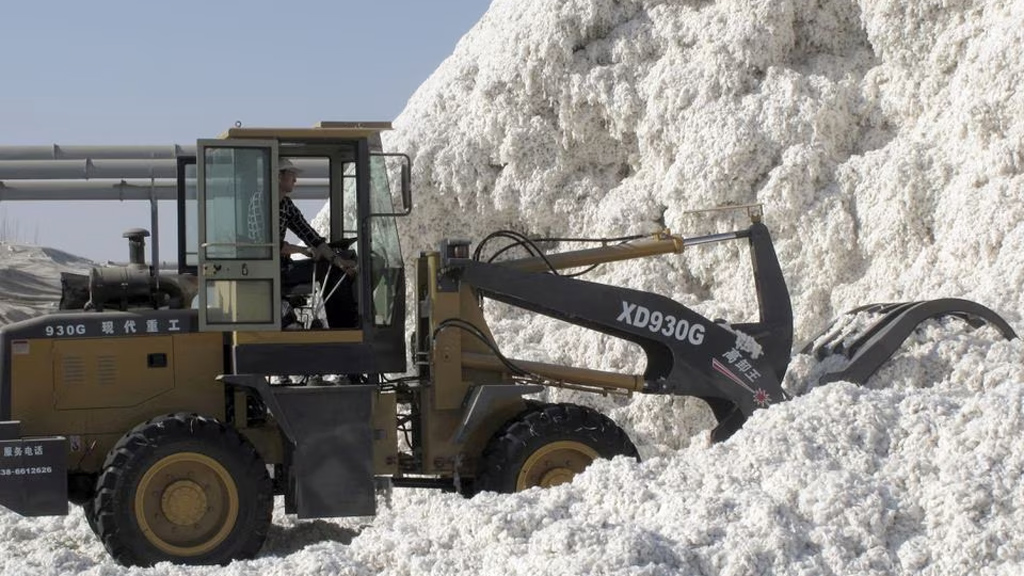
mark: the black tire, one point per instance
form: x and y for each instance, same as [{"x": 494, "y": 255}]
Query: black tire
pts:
[
  {"x": 469, "y": 487},
  {"x": 183, "y": 488},
  {"x": 90, "y": 515},
  {"x": 547, "y": 445}
]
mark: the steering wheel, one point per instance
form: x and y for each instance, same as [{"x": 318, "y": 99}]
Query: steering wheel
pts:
[
  {"x": 378, "y": 262},
  {"x": 340, "y": 247},
  {"x": 343, "y": 244}
]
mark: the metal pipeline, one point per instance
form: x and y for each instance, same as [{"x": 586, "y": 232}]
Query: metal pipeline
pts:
[
  {"x": 121, "y": 168},
  {"x": 127, "y": 189},
  {"x": 58, "y": 152}
]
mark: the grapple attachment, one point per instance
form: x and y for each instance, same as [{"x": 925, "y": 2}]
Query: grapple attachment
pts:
[{"x": 869, "y": 345}]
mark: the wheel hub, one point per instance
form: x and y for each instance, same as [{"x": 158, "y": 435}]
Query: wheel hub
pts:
[
  {"x": 556, "y": 476},
  {"x": 184, "y": 503},
  {"x": 555, "y": 463}
]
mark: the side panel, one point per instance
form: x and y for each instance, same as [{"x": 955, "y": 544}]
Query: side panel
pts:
[
  {"x": 94, "y": 374},
  {"x": 93, "y": 390}
]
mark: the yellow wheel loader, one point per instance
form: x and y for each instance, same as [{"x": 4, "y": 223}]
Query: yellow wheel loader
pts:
[{"x": 174, "y": 407}]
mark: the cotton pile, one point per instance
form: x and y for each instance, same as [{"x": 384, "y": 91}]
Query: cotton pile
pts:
[{"x": 884, "y": 141}]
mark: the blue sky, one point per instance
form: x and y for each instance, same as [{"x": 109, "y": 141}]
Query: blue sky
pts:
[{"x": 143, "y": 72}]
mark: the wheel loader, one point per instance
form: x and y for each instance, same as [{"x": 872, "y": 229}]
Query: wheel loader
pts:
[{"x": 174, "y": 407}]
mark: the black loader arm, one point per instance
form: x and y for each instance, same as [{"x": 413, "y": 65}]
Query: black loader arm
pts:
[{"x": 736, "y": 369}]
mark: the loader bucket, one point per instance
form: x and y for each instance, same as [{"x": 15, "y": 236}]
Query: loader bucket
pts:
[{"x": 869, "y": 346}]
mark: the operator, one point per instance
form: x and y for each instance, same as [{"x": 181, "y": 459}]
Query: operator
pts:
[{"x": 341, "y": 308}]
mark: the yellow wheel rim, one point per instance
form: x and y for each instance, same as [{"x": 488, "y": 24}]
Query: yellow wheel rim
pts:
[
  {"x": 186, "y": 504},
  {"x": 554, "y": 464}
]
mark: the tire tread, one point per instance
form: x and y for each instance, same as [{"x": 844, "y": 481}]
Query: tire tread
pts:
[
  {"x": 541, "y": 424},
  {"x": 124, "y": 458}
]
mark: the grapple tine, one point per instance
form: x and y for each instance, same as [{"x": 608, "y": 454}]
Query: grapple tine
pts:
[
  {"x": 833, "y": 339},
  {"x": 873, "y": 346},
  {"x": 832, "y": 344},
  {"x": 890, "y": 313}
]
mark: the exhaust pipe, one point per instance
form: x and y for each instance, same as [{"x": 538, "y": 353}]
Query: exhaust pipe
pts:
[{"x": 136, "y": 246}]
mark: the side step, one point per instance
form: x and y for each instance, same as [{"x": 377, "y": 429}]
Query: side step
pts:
[{"x": 872, "y": 348}]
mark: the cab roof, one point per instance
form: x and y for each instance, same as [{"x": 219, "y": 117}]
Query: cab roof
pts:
[{"x": 328, "y": 130}]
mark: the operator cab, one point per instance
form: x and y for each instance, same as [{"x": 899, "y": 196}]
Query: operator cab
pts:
[{"x": 229, "y": 237}]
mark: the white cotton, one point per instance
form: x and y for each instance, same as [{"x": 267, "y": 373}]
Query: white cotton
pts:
[{"x": 885, "y": 141}]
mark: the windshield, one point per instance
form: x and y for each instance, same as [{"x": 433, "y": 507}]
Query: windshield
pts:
[{"x": 386, "y": 251}]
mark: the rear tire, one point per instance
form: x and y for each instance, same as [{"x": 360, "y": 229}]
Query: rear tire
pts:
[
  {"x": 547, "y": 445},
  {"x": 182, "y": 488}
]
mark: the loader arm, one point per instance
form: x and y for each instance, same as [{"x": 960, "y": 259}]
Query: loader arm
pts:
[{"x": 687, "y": 353}]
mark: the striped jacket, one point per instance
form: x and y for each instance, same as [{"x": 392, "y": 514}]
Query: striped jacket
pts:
[{"x": 292, "y": 219}]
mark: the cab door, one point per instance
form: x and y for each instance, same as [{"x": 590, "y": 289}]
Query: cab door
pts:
[{"x": 239, "y": 252}]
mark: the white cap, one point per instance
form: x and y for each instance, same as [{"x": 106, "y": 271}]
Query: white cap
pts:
[{"x": 286, "y": 164}]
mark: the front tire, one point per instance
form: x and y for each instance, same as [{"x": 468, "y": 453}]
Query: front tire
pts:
[
  {"x": 89, "y": 510},
  {"x": 547, "y": 445},
  {"x": 183, "y": 488}
]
